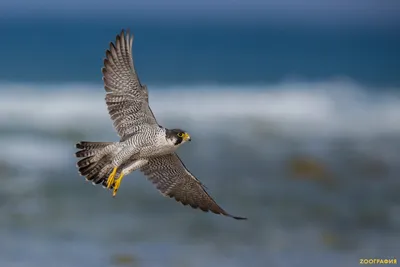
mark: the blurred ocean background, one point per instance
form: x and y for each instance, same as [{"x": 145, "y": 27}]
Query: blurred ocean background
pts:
[{"x": 294, "y": 112}]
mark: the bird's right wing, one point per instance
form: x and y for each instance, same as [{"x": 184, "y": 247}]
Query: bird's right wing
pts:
[
  {"x": 127, "y": 99},
  {"x": 172, "y": 179}
]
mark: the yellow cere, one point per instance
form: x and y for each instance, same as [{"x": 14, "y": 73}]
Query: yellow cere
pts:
[{"x": 186, "y": 136}]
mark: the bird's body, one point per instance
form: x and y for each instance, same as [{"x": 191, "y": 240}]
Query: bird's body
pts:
[{"x": 144, "y": 144}]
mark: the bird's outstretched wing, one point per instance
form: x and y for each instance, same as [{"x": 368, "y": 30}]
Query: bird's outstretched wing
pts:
[
  {"x": 172, "y": 179},
  {"x": 127, "y": 99}
]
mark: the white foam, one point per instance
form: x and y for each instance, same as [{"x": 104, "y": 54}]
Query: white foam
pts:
[
  {"x": 33, "y": 152},
  {"x": 334, "y": 107}
]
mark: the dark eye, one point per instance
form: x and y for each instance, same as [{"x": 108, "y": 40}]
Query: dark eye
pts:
[{"x": 180, "y": 134}]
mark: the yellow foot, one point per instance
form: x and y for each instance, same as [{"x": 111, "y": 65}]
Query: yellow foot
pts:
[
  {"x": 110, "y": 179},
  {"x": 117, "y": 184}
]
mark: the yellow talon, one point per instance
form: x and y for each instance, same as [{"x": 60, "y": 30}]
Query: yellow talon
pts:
[
  {"x": 110, "y": 179},
  {"x": 117, "y": 184}
]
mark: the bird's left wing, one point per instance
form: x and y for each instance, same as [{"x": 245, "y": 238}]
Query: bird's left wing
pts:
[{"x": 172, "y": 179}]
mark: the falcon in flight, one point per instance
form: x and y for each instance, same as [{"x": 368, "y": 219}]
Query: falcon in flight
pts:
[{"x": 144, "y": 144}]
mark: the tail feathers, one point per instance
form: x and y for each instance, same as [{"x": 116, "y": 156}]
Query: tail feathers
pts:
[
  {"x": 85, "y": 153},
  {"x": 104, "y": 173},
  {"x": 90, "y": 146},
  {"x": 93, "y": 170},
  {"x": 91, "y": 167},
  {"x": 85, "y": 162}
]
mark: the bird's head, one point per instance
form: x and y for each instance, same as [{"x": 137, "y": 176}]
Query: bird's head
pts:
[{"x": 177, "y": 136}]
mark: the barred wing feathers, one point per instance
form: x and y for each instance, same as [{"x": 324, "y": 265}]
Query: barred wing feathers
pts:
[
  {"x": 172, "y": 179},
  {"x": 126, "y": 98}
]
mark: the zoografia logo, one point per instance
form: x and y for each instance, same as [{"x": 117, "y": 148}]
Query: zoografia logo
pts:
[{"x": 374, "y": 261}]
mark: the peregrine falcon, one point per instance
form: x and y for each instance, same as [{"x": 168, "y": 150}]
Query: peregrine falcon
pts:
[{"x": 144, "y": 144}]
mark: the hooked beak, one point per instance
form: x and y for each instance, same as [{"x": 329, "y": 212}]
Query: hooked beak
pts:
[{"x": 186, "y": 137}]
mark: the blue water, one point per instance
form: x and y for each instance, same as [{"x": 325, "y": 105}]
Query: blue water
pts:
[
  {"x": 295, "y": 128},
  {"x": 171, "y": 53}
]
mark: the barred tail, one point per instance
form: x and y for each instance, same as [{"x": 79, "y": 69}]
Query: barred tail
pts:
[{"x": 95, "y": 163}]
